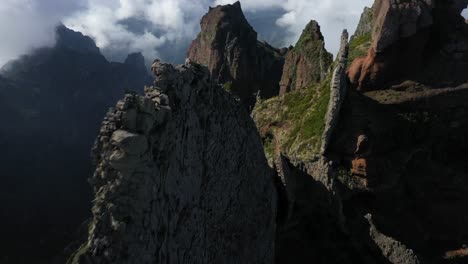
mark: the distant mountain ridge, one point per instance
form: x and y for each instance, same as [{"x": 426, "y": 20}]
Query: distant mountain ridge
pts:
[{"x": 51, "y": 103}]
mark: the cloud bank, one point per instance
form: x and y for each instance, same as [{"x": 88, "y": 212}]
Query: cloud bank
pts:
[
  {"x": 163, "y": 28},
  {"x": 146, "y": 26},
  {"x": 28, "y": 24}
]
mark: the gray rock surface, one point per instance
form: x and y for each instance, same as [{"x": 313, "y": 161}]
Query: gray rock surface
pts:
[
  {"x": 181, "y": 177},
  {"x": 397, "y": 19},
  {"x": 393, "y": 250},
  {"x": 337, "y": 93}
]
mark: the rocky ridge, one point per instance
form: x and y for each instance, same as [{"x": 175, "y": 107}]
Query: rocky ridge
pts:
[{"x": 181, "y": 178}]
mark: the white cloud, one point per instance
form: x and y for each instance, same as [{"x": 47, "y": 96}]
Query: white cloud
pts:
[
  {"x": 168, "y": 22},
  {"x": 167, "y": 26},
  {"x": 255, "y": 5},
  {"x": 28, "y": 24}
]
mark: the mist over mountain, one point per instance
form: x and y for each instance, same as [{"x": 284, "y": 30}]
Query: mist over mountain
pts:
[
  {"x": 52, "y": 101},
  {"x": 161, "y": 28}
]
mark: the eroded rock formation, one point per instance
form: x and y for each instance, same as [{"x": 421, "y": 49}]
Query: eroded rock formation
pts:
[
  {"x": 181, "y": 178},
  {"x": 338, "y": 89},
  {"x": 308, "y": 62},
  {"x": 228, "y": 46}
]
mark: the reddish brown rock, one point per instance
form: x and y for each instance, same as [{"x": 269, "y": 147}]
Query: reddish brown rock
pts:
[
  {"x": 359, "y": 163},
  {"x": 308, "y": 62},
  {"x": 228, "y": 45},
  {"x": 359, "y": 167},
  {"x": 426, "y": 41}
]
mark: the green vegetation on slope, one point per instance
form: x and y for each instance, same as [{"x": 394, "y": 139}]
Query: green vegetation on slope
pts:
[
  {"x": 358, "y": 47},
  {"x": 296, "y": 120},
  {"x": 315, "y": 52},
  {"x": 228, "y": 86}
]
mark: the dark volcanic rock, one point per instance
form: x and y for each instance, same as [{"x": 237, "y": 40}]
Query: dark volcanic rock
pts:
[
  {"x": 181, "y": 178},
  {"x": 228, "y": 45},
  {"x": 308, "y": 62},
  {"x": 426, "y": 41},
  {"x": 51, "y": 105}
]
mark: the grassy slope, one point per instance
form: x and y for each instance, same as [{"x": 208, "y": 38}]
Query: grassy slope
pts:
[
  {"x": 358, "y": 47},
  {"x": 295, "y": 120}
]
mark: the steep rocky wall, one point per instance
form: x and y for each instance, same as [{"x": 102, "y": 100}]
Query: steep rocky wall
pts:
[
  {"x": 424, "y": 41},
  {"x": 181, "y": 178},
  {"x": 338, "y": 91}
]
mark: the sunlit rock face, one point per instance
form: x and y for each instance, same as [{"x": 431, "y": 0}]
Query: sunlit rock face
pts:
[{"x": 425, "y": 41}]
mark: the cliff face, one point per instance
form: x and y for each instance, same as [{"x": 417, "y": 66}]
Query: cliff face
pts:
[
  {"x": 308, "y": 62},
  {"x": 228, "y": 46},
  {"x": 181, "y": 177},
  {"x": 424, "y": 41},
  {"x": 52, "y": 103}
]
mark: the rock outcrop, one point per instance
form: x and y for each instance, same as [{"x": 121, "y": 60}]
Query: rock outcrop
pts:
[
  {"x": 181, "y": 178},
  {"x": 338, "y": 91},
  {"x": 308, "y": 62},
  {"x": 228, "y": 46},
  {"x": 425, "y": 41}
]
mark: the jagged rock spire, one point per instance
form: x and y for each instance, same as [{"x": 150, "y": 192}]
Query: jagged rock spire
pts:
[
  {"x": 307, "y": 62},
  {"x": 228, "y": 46}
]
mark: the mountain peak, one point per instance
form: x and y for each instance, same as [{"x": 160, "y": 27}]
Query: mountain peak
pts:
[
  {"x": 311, "y": 32},
  {"x": 74, "y": 40},
  {"x": 307, "y": 62},
  {"x": 228, "y": 46}
]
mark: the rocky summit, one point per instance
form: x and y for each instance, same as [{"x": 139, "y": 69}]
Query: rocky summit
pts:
[
  {"x": 181, "y": 178},
  {"x": 308, "y": 62},
  {"x": 228, "y": 46}
]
